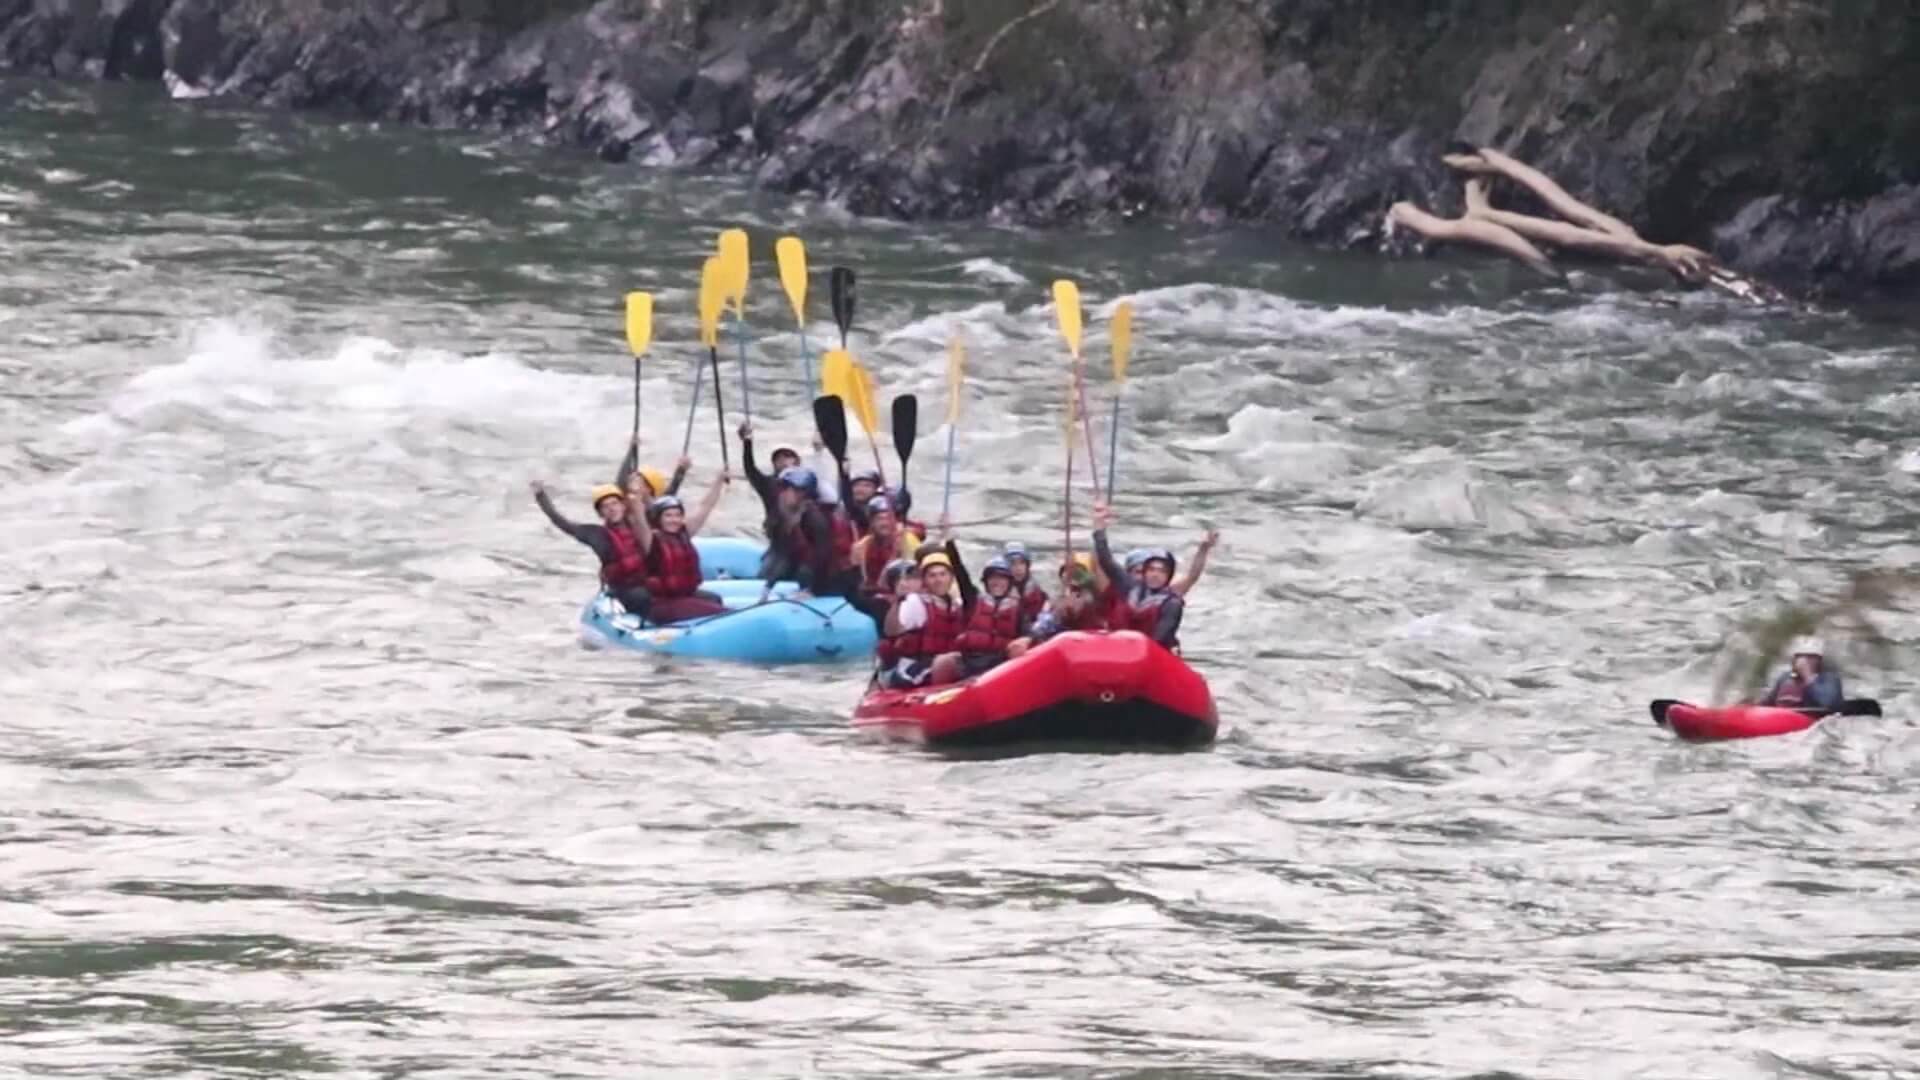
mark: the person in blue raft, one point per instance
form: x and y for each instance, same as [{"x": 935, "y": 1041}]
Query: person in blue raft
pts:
[{"x": 1808, "y": 684}]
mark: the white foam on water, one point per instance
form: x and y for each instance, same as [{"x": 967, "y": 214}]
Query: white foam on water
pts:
[
  {"x": 1441, "y": 494},
  {"x": 990, "y": 270}
]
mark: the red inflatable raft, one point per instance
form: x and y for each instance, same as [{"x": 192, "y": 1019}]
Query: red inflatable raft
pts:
[
  {"x": 1110, "y": 688},
  {"x": 1703, "y": 723}
]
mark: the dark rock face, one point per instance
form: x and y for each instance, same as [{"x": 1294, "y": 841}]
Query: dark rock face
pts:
[{"x": 1782, "y": 134}]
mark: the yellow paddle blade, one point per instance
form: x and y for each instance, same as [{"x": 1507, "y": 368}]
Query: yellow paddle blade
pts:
[
  {"x": 836, "y": 375},
  {"x": 733, "y": 263},
  {"x": 1066, "y": 307},
  {"x": 956, "y": 375},
  {"x": 792, "y": 255},
  {"x": 862, "y": 402},
  {"x": 712, "y": 299},
  {"x": 1122, "y": 335},
  {"x": 639, "y": 322}
]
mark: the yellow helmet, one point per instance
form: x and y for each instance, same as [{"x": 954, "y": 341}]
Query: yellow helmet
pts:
[
  {"x": 938, "y": 558},
  {"x": 603, "y": 492},
  {"x": 1084, "y": 560},
  {"x": 656, "y": 480}
]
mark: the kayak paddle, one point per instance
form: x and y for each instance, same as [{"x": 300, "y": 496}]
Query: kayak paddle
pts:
[
  {"x": 840, "y": 288},
  {"x": 1066, "y": 308},
  {"x": 906, "y": 430},
  {"x": 712, "y": 299},
  {"x": 639, "y": 337},
  {"x": 792, "y": 257},
  {"x": 956, "y": 378},
  {"x": 734, "y": 272},
  {"x": 1121, "y": 334},
  {"x": 830, "y": 419}
]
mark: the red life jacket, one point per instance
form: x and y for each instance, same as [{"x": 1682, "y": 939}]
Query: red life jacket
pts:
[
  {"x": 629, "y": 566},
  {"x": 844, "y": 537},
  {"x": 673, "y": 566},
  {"x": 1091, "y": 618},
  {"x": 841, "y": 528},
  {"x": 879, "y": 554},
  {"x": 992, "y": 626},
  {"x": 1791, "y": 694},
  {"x": 1143, "y": 609},
  {"x": 1115, "y": 603},
  {"x": 941, "y": 634},
  {"x": 1033, "y": 599}
]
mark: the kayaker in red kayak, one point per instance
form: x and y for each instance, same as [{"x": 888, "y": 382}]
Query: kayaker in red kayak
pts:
[
  {"x": 1807, "y": 684},
  {"x": 623, "y": 562},
  {"x": 1148, "y": 602},
  {"x": 673, "y": 577},
  {"x": 1033, "y": 598}
]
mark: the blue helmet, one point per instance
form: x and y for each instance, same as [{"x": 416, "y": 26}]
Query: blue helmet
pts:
[
  {"x": 801, "y": 478},
  {"x": 1016, "y": 550},
  {"x": 996, "y": 565},
  {"x": 871, "y": 476},
  {"x": 665, "y": 503},
  {"x": 1158, "y": 555},
  {"x": 1135, "y": 560},
  {"x": 879, "y": 504},
  {"x": 891, "y": 575}
]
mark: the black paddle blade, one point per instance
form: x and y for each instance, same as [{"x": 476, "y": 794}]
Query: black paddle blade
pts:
[
  {"x": 1659, "y": 709},
  {"x": 1865, "y": 706},
  {"x": 840, "y": 284},
  {"x": 830, "y": 419},
  {"x": 906, "y": 428}
]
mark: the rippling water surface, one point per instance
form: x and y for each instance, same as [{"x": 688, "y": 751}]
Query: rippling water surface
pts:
[{"x": 303, "y": 769}]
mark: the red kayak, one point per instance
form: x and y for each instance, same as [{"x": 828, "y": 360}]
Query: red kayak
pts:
[
  {"x": 1702, "y": 723},
  {"x": 1112, "y": 688}
]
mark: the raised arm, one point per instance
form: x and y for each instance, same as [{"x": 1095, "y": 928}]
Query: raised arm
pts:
[
  {"x": 699, "y": 519},
  {"x": 545, "y": 503},
  {"x": 679, "y": 475},
  {"x": 637, "y": 521},
  {"x": 627, "y": 465},
  {"x": 1102, "y": 554},
  {"x": 762, "y": 483},
  {"x": 968, "y": 592},
  {"x": 1199, "y": 564}
]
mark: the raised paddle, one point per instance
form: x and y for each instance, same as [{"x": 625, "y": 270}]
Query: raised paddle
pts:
[
  {"x": 1066, "y": 308},
  {"x": 1849, "y": 707},
  {"x": 734, "y": 274},
  {"x": 906, "y": 430},
  {"x": 830, "y": 419},
  {"x": 956, "y": 379},
  {"x": 712, "y": 299},
  {"x": 791, "y": 254},
  {"x": 1120, "y": 332},
  {"x": 639, "y": 338},
  {"x": 840, "y": 288}
]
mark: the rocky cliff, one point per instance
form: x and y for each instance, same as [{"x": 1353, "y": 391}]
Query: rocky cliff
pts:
[{"x": 1781, "y": 134}]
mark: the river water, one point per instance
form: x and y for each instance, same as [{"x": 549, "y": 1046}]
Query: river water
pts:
[{"x": 304, "y": 770}]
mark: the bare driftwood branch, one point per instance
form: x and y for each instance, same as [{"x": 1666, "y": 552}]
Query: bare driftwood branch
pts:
[
  {"x": 1585, "y": 229},
  {"x": 1471, "y": 231}
]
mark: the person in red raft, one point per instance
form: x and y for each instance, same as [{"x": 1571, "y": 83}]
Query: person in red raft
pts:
[
  {"x": 647, "y": 558},
  {"x": 1148, "y": 601},
  {"x": 1808, "y": 685},
  {"x": 932, "y": 636}
]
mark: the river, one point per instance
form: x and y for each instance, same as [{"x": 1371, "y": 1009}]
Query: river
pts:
[{"x": 304, "y": 770}]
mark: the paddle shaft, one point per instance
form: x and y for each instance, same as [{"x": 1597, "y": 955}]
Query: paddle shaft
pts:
[
  {"x": 806, "y": 360},
  {"x": 1086, "y": 427},
  {"x": 719, "y": 408},
  {"x": 699, "y": 378},
  {"x": 636, "y": 402},
  {"x": 746, "y": 397},
  {"x": 1113, "y": 446},
  {"x": 946, "y": 498}
]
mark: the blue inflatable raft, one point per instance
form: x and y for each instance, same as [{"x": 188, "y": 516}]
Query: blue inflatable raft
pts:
[{"x": 781, "y": 631}]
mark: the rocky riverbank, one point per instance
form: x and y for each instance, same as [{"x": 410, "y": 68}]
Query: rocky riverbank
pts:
[{"x": 1783, "y": 136}]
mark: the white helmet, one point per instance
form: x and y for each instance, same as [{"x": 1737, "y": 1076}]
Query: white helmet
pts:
[{"x": 1808, "y": 646}]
